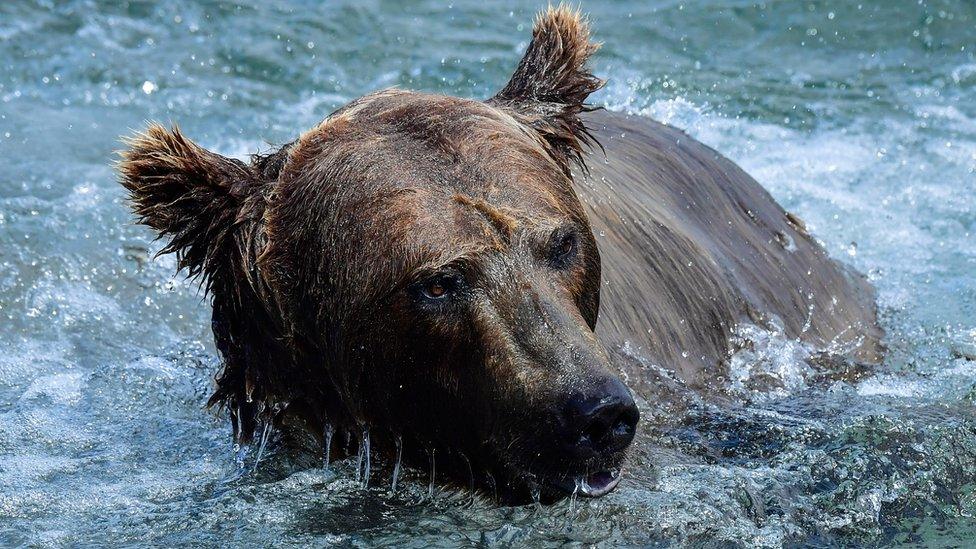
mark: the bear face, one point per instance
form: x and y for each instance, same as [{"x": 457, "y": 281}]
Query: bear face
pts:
[
  {"x": 457, "y": 241},
  {"x": 416, "y": 265}
]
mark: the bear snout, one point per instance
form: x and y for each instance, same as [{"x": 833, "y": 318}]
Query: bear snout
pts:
[
  {"x": 601, "y": 422},
  {"x": 591, "y": 429}
]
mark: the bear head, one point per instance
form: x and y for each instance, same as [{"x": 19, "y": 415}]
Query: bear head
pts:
[{"x": 418, "y": 266}]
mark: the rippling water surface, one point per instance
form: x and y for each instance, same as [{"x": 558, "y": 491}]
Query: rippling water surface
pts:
[{"x": 859, "y": 117}]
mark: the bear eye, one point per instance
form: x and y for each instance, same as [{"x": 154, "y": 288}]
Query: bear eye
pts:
[
  {"x": 438, "y": 287},
  {"x": 563, "y": 249},
  {"x": 566, "y": 246}
]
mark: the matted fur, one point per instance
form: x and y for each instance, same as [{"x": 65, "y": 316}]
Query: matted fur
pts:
[
  {"x": 196, "y": 198},
  {"x": 551, "y": 83},
  {"x": 311, "y": 254}
]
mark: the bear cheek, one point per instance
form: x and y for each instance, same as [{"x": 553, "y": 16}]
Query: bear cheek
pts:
[{"x": 429, "y": 382}]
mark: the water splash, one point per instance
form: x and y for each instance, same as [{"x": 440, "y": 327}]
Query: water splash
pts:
[
  {"x": 396, "y": 465},
  {"x": 768, "y": 364},
  {"x": 327, "y": 435}
]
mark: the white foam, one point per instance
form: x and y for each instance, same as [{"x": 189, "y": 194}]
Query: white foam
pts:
[{"x": 61, "y": 389}]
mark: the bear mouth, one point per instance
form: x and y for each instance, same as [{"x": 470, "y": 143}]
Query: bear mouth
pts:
[
  {"x": 591, "y": 485},
  {"x": 599, "y": 484}
]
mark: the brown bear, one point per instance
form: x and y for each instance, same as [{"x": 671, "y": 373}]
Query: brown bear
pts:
[{"x": 432, "y": 269}]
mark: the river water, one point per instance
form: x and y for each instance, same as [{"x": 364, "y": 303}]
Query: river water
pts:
[{"x": 860, "y": 117}]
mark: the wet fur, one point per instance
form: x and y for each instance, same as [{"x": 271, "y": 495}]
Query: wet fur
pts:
[
  {"x": 689, "y": 246},
  {"x": 692, "y": 246}
]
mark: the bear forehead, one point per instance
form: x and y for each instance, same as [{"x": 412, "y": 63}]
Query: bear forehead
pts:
[
  {"x": 437, "y": 164},
  {"x": 435, "y": 224},
  {"x": 396, "y": 137}
]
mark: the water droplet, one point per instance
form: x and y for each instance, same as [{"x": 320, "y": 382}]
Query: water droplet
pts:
[
  {"x": 362, "y": 459},
  {"x": 470, "y": 472},
  {"x": 396, "y": 466},
  {"x": 264, "y": 442},
  {"x": 573, "y": 499},
  {"x": 366, "y": 466},
  {"x": 494, "y": 485},
  {"x": 359, "y": 464},
  {"x": 148, "y": 87},
  {"x": 327, "y": 443},
  {"x": 433, "y": 469},
  {"x": 240, "y": 455}
]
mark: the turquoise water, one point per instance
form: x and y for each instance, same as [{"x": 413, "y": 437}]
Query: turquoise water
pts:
[{"x": 859, "y": 117}]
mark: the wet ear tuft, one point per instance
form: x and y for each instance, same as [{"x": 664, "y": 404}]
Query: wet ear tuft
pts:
[
  {"x": 553, "y": 67},
  {"x": 187, "y": 193},
  {"x": 551, "y": 83}
]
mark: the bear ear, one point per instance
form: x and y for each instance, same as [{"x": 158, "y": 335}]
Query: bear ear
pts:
[
  {"x": 551, "y": 83},
  {"x": 187, "y": 193}
]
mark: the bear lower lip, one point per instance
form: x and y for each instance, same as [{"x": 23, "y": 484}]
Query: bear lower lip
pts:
[
  {"x": 592, "y": 485},
  {"x": 599, "y": 483}
]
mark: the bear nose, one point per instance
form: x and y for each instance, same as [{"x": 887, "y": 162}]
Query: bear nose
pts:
[{"x": 602, "y": 421}]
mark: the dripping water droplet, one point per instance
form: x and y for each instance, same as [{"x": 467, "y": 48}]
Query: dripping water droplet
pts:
[
  {"x": 396, "y": 466},
  {"x": 573, "y": 498},
  {"x": 494, "y": 485},
  {"x": 359, "y": 464},
  {"x": 470, "y": 472},
  {"x": 327, "y": 444},
  {"x": 365, "y": 453},
  {"x": 240, "y": 455},
  {"x": 433, "y": 468},
  {"x": 536, "y": 496},
  {"x": 264, "y": 442}
]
